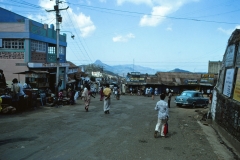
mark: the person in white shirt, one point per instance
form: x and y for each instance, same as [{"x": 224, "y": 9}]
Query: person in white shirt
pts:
[{"x": 162, "y": 108}]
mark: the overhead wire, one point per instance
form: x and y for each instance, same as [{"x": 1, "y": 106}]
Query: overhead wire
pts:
[
  {"x": 157, "y": 16},
  {"x": 78, "y": 38}
]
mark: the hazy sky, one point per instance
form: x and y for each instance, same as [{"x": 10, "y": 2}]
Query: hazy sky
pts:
[{"x": 161, "y": 34}]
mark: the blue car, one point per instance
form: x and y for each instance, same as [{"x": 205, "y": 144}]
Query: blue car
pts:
[{"x": 191, "y": 98}]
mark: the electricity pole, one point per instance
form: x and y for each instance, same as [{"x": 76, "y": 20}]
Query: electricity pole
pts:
[{"x": 58, "y": 20}]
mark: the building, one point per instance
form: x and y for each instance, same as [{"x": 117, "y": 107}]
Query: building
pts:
[
  {"x": 225, "y": 107},
  {"x": 27, "y": 45},
  {"x": 176, "y": 81},
  {"x": 214, "y": 67}
]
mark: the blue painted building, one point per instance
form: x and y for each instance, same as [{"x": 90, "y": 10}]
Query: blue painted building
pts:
[{"x": 28, "y": 45}]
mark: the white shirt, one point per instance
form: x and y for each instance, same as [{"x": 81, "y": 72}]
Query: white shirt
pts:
[
  {"x": 21, "y": 93},
  {"x": 162, "y": 108}
]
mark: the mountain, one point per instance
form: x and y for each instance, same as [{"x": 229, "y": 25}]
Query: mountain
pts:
[
  {"x": 179, "y": 70},
  {"x": 124, "y": 69}
]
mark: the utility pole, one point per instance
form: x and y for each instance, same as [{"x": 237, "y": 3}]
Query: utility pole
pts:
[{"x": 58, "y": 20}]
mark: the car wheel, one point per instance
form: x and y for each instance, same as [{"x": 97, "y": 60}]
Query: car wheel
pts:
[
  {"x": 179, "y": 105},
  {"x": 194, "y": 105}
]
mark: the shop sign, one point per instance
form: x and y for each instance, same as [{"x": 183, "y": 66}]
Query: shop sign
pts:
[
  {"x": 46, "y": 65},
  {"x": 238, "y": 56},
  {"x": 236, "y": 93},
  {"x": 227, "y": 90},
  {"x": 191, "y": 81},
  {"x": 135, "y": 79},
  {"x": 135, "y": 73},
  {"x": 229, "y": 56}
]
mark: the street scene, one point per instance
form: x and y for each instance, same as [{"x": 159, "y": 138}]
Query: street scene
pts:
[
  {"x": 69, "y": 132},
  {"x": 119, "y": 79}
]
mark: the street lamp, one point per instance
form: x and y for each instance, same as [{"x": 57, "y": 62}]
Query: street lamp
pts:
[{"x": 72, "y": 36}]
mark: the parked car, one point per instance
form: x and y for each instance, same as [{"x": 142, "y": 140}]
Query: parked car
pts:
[{"x": 191, "y": 98}]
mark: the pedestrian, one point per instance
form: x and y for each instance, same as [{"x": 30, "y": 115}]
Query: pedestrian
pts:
[
  {"x": 15, "y": 89},
  {"x": 152, "y": 93},
  {"x": 162, "y": 108},
  {"x": 27, "y": 85},
  {"x": 107, "y": 100},
  {"x": 101, "y": 94},
  {"x": 131, "y": 91},
  {"x": 210, "y": 98},
  {"x": 169, "y": 98},
  {"x": 118, "y": 93},
  {"x": 87, "y": 97}
]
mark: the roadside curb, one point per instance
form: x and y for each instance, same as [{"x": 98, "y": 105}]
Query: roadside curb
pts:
[{"x": 226, "y": 137}]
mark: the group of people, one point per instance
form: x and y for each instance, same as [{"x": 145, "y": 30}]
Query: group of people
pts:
[{"x": 105, "y": 94}]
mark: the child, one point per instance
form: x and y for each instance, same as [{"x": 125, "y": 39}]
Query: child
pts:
[{"x": 162, "y": 108}]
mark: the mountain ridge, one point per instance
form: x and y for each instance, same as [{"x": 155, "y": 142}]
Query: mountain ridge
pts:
[{"x": 128, "y": 68}]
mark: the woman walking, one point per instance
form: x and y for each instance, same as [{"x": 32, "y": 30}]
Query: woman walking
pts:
[{"x": 101, "y": 94}]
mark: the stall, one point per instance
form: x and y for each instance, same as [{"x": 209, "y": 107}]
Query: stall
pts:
[{"x": 39, "y": 84}]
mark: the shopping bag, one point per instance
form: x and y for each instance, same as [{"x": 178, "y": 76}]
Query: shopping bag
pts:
[{"x": 165, "y": 129}]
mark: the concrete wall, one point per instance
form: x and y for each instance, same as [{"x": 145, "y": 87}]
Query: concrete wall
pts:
[
  {"x": 12, "y": 27},
  {"x": 9, "y": 67}
]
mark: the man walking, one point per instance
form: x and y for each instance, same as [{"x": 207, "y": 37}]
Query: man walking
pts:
[
  {"x": 107, "y": 101},
  {"x": 169, "y": 98}
]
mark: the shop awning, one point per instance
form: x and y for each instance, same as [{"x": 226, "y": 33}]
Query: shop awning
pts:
[{"x": 29, "y": 72}]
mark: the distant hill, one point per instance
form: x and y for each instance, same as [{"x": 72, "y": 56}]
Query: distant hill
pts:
[
  {"x": 124, "y": 69},
  {"x": 179, "y": 70}
]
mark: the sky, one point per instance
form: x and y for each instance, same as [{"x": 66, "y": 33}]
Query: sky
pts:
[{"x": 160, "y": 34}]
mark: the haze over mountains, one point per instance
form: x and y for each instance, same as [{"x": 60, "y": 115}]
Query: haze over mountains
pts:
[{"x": 128, "y": 68}]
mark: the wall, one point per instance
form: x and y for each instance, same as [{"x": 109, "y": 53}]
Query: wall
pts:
[{"x": 9, "y": 67}]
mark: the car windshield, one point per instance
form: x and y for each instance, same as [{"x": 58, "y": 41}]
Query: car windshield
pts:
[{"x": 188, "y": 94}]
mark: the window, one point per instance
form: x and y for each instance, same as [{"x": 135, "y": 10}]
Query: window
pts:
[
  {"x": 38, "y": 46},
  {"x": 51, "y": 50},
  {"x": 61, "y": 50},
  {"x": 13, "y": 43}
]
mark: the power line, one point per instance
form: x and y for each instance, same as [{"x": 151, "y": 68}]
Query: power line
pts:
[
  {"x": 78, "y": 37},
  {"x": 157, "y": 16}
]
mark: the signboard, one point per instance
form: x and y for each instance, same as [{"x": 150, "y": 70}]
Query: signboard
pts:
[
  {"x": 207, "y": 75},
  {"x": 46, "y": 65},
  {"x": 236, "y": 93},
  {"x": 135, "y": 73},
  {"x": 135, "y": 79},
  {"x": 227, "y": 90},
  {"x": 238, "y": 56},
  {"x": 219, "y": 84},
  {"x": 191, "y": 81},
  {"x": 214, "y": 104},
  {"x": 229, "y": 56}
]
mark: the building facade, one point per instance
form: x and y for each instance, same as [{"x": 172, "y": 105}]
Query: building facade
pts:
[
  {"x": 225, "y": 107},
  {"x": 214, "y": 67},
  {"x": 175, "y": 81},
  {"x": 28, "y": 45}
]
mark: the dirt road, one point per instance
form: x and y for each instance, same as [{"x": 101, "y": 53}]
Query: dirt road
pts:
[{"x": 69, "y": 132}]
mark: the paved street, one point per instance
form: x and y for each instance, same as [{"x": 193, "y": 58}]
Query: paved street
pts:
[{"x": 69, "y": 132}]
